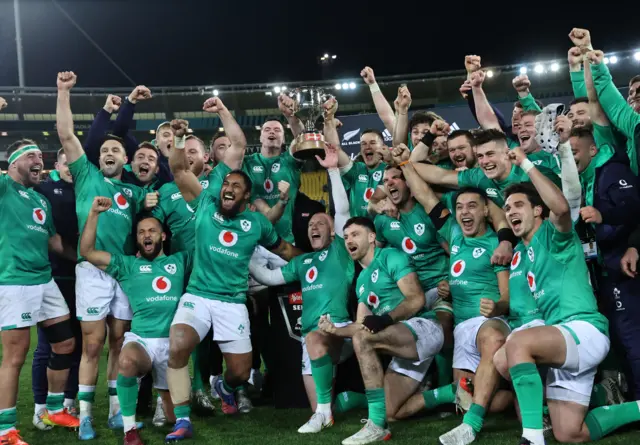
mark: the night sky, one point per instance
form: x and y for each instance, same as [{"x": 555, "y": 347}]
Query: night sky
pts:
[{"x": 215, "y": 42}]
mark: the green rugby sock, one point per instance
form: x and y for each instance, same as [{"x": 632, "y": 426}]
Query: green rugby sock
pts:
[
  {"x": 182, "y": 411},
  {"x": 598, "y": 396},
  {"x": 348, "y": 400},
  {"x": 602, "y": 421},
  {"x": 377, "y": 406},
  {"x": 528, "y": 387},
  {"x": 440, "y": 396},
  {"x": 55, "y": 402},
  {"x": 474, "y": 417},
  {"x": 8, "y": 418},
  {"x": 322, "y": 373},
  {"x": 127, "y": 394}
]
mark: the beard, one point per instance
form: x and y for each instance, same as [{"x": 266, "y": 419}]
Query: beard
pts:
[
  {"x": 157, "y": 247},
  {"x": 233, "y": 211}
]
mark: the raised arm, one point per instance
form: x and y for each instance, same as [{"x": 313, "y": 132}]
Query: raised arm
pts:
[
  {"x": 384, "y": 110},
  {"x": 64, "y": 118},
  {"x": 569, "y": 176},
  {"x": 287, "y": 107},
  {"x": 187, "y": 182},
  {"x": 401, "y": 128},
  {"x": 597, "y": 114},
  {"x": 124, "y": 121},
  {"x": 234, "y": 155},
  {"x": 100, "y": 127},
  {"x": 484, "y": 112},
  {"x": 262, "y": 274},
  {"x": 338, "y": 192},
  {"x": 98, "y": 258},
  {"x": 436, "y": 175},
  {"x": 522, "y": 83},
  {"x": 550, "y": 194}
]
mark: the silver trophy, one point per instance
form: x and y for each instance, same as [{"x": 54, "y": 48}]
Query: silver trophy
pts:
[{"x": 308, "y": 108}]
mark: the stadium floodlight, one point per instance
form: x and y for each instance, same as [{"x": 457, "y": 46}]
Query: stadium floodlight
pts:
[
  {"x": 258, "y": 127},
  {"x": 352, "y": 85},
  {"x": 45, "y": 133},
  {"x": 334, "y": 57},
  {"x": 636, "y": 55},
  {"x": 4, "y": 133},
  {"x": 323, "y": 58},
  {"x": 345, "y": 86},
  {"x": 539, "y": 69},
  {"x": 613, "y": 59},
  {"x": 337, "y": 86},
  {"x": 221, "y": 129},
  {"x": 283, "y": 88},
  {"x": 606, "y": 61},
  {"x": 215, "y": 93},
  {"x": 489, "y": 74},
  {"x": 277, "y": 90},
  {"x": 152, "y": 131},
  {"x": 80, "y": 133},
  {"x": 326, "y": 56},
  {"x": 189, "y": 130},
  {"x": 523, "y": 70},
  {"x": 268, "y": 93},
  {"x": 555, "y": 66}
]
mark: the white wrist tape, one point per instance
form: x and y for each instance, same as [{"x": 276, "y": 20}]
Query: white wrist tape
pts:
[
  {"x": 526, "y": 165},
  {"x": 180, "y": 142},
  {"x": 374, "y": 88}
]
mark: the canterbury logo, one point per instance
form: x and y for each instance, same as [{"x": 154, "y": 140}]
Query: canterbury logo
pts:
[
  {"x": 26, "y": 316},
  {"x": 189, "y": 305},
  {"x": 93, "y": 311}
]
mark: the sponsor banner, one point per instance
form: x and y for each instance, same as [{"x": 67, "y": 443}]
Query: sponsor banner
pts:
[{"x": 458, "y": 116}]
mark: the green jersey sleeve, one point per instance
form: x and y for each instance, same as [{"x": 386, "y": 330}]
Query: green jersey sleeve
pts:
[
  {"x": 216, "y": 178},
  {"x": 618, "y": 110},
  {"x": 290, "y": 270},
  {"x": 350, "y": 175},
  {"x": 446, "y": 231},
  {"x": 268, "y": 235},
  {"x": 202, "y": 199},
  {"x": 159, "y": 211},
  {"x": 605, "y": 138},
  {"x": 51, "y": 228},
  {"x": 3, "y": 183},
  {"x": 399, "y": 264},
  {"x": 529, "y": 103},
  {"x": 560, "y": 242},
  {"x": 120, "y": 266},
  {"x": 379, "y": 223},
  {"x": 577, "y": 82},
  {"x": 472, "y": 177},
  {"x": 81, "y": 169}
]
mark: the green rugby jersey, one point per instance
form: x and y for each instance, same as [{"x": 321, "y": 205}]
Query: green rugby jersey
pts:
[
  {"x": 471, "y": 274},
  {"x": 360, "y": 182},
  {"x": 173, "y": 211},
  {"x": 377, "y": 285},
  {"x": 326, "y": 277},
  {"x": 522, "y": 307},
  {"x": 265, "y": 173},
  {"x": 154, "y": 289},
  {"x": 223, "y": 248},
  {"x": 415, "y": 235},
  {"x": 115, "y": 226},
  {"x": 24, "y": 241},
  {"x": 559, "y": 279}
]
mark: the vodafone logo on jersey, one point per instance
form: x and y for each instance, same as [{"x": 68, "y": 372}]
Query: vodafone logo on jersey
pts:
[
  {"x": 39, "y": 216},
  {"x": 531, "y": 280},
  {"x": 312, "y": 274},
  {"x": 162, "y": 285},
  {"x": 408, "y": 245},
  {"x": 373, "y": 300},
  {"x": 228, "y": 238},
  {"x": 515, "y": 261},
  {"x": 368, "y": 193},
  {"x": 121, "y": 201},
  {"x": 268, "y": 185},
  {"x": 457, "y": 268}
]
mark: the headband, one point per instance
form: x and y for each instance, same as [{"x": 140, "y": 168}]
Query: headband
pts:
[{"x": 21, "y": 152}]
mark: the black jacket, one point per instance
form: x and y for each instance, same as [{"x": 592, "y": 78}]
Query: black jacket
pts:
[{"x": 63, "y": 207}]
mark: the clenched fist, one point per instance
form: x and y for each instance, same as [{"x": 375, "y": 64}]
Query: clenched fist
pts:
[
  {"x": 472, "y": 63},
  {"x": 488, "y": 308},
  {"x": 562, "y": 126},
  {"x": 465, "y": 88},
  {"x": 283, "y": 188},
  {"x": 440, "y": 128},
  {"x": 151, "y": 200},
  {"x": 139, "y": 93},
  {"x": 330, "y": 107},
  {"x": 595, "y": 57},
  {"x": 591, "y": 215},
  {"x": 112, "y": 104},
  {"x": 400, "y": 154},
  {"x": 368, "y": 76},
  {"x": 286, "y": 105},
  {"x": 581, "y": 38},
  {"x": 100, "y": 204},
  {"x": 179, "y": 127},
  {"x": 403, "y": 101},
  {"x": 213, "y": 105},
  {"x": 574, "y": 57},
  {"x": 477, "y": 78},
  {"x": 3, "y": 103},
  {"x": 66, "y": 80},
  {"x": 517, "y": 156},
  {"x": 522, "y": 83}
]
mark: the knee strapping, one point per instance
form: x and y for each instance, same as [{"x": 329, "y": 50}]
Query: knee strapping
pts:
[
  {"x": 59, "y": 362},
  {"x": 59, "y": 332}
]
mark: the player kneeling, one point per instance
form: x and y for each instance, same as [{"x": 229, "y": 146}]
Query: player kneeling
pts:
[
  {"x": 154, "y": 283},
  {"x": 391, "y": 320}
]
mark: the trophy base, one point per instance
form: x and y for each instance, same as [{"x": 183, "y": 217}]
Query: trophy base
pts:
[{"x": 308, "y": 145}]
